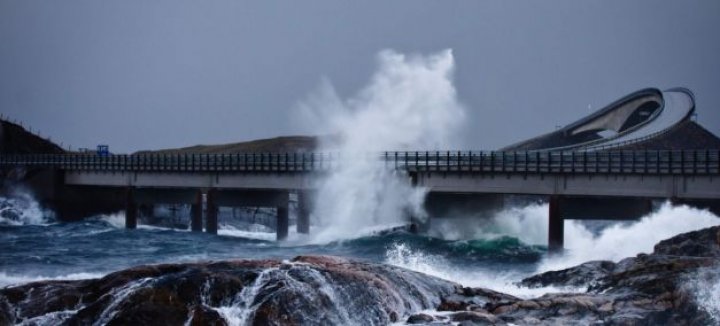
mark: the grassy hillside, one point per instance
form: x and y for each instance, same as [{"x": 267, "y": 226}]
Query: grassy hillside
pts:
[
  {"x": 686, "y": 135},
  {"x": 271, "y": 145},
  {"x": 14, "y": 139}
]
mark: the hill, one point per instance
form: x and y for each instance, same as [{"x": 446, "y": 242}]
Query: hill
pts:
[
  {"x": 270, "y": 145},
  {"x": 14, "y": 139},
  {"x": 687, "y": 135}
]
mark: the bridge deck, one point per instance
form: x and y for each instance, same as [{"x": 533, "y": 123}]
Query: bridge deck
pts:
[{"x": 663, "y": 174}]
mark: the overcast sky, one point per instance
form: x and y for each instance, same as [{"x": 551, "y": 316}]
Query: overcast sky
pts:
[{"x": 154, "y": 74}]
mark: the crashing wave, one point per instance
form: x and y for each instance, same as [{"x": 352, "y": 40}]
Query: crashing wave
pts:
[{"x": 21, "y": 208}]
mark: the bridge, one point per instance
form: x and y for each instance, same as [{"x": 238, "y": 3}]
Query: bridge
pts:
[
  {"x": 662, "y": 174},
  {"x": 611, "y": 164},
  {"x": 637, "y": 117},
  {"x": 570, "y": 179}
]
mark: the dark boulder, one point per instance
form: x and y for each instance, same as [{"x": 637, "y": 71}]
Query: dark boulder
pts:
[
  {"x": 205, "y": 316},
  {"x": 307, "y": 290},
  {"x": 477, "y": 318},
  {"x": 7, "y": 316},
  {"x": 702, "y": 243},
  {"x": 649, "y": 289},
  {"x": 578, "y": 276},
  {"x": 420, "y": 319}
]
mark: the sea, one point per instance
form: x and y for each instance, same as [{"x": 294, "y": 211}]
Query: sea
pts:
[{"x": 493, "y": 251}]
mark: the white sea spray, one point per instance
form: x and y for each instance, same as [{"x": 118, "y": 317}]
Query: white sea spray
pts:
[{"x": 410, "y": 103}]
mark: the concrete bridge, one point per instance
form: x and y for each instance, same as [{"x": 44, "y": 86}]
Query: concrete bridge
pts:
[
  {"x": 637, "y": 117},
  {"x": 616, "y": 184},
  {"x": 580, "y": 169}
]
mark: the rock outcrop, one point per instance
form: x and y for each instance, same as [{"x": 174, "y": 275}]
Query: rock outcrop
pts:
[
  {"x": 307, "y": 290},
  {"x": 649, "y": 289}
]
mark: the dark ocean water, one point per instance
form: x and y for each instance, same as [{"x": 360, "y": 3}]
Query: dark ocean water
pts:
[
  {"x": 100, "y": 245},
  {"x": 493, "y": 252}
]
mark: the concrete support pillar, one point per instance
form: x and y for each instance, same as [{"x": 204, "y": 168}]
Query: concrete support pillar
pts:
[
  {"x": 211, "y": 218},
  {"x": 303, "y": 214},
  {"x": 282, "y": 222},
  {"x": 131, "y": 209},
  {"x": 556, "y": 230},
  {"x": 196, "y": 213}
]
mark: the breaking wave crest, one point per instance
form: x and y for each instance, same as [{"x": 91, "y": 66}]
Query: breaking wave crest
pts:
[
  {"x": 613, "y": 241},
  {"x": 622, "y": 240},
  {"x": 403, "y": 255},
  {"x": 7, "y": 279},
  {"x": 21, "y": 208},
  {"x": 518, "y": 232}
]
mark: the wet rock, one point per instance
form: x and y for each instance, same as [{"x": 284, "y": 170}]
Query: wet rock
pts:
[
  {"x": 488, "y": 295},
  {"x": 702, "y": 243},
  {"x": 643, "y": 290},
  {"x": 578, "y": 276},
  {"x": 453, "y": 304},
  {"x": 307, "y": 290},
  {"x": 7, "y": 316},
  {"x": 651, "y": 274},
  {"x": 420, "y": 319},
  {"x": 205, "y": 316},
  {"x": 474, "y": 299},
  {"x": 49, "y": 296},
  {"x": 476, "y": 318}
]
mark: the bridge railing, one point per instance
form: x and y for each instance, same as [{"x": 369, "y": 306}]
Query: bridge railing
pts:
[{"x": 622, "y": 162}]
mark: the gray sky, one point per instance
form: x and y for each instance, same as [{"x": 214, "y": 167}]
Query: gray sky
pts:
[{"x": 154, "y": 74}]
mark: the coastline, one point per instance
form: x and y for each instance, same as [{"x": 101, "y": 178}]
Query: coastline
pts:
[{"x": 649, "y": 288}]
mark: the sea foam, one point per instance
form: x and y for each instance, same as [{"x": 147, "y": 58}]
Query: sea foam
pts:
[
  {"x": 7, "y": 279},
  {"x": 21, "y": 208},
  {"x": 529, "y": 225}
]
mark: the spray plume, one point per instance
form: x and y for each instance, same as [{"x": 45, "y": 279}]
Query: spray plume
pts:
[{"x": 409, "y": 103}]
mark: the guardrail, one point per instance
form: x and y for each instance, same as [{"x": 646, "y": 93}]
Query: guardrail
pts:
[{"x": 705, "y": 162}]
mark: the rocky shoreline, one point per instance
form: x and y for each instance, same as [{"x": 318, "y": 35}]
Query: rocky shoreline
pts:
[{"x": 648, "y": 289}]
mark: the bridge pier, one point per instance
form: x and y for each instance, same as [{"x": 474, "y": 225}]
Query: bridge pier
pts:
[
  {"x": 211, "y": 218},
  {"x": 131, "y": 209},
  {"x": 251, "y": 198},
  {"x": 303, "y": 214},
  {"x": 196, "y": 212},
  {"x": 283, "y": 222},
  {"x": 556, "y": 223}
]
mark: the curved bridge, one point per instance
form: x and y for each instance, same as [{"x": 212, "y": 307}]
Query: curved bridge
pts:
[
  {"x": 581, "y": 169},
  {"x": 637, "y": 117}
]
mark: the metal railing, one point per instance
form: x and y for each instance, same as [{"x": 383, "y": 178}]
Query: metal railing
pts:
[{"x": 706, "y": 162}]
